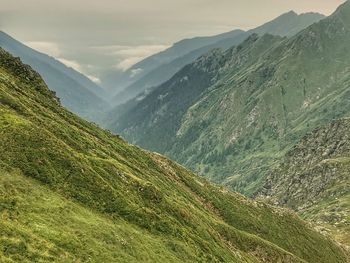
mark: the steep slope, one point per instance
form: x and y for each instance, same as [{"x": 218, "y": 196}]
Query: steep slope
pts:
[
  {"x": 314, "y": 179},
  {"x": 71, "y": 192},
  {"x": 262, "y": 101},
  {"x": 154, "y": 120},
  {"x": 117, "y": 82},
  {"x": 77, "y": 92},
  {"x": 285, "y": 25},
  {"x": 288, "y": 24}
]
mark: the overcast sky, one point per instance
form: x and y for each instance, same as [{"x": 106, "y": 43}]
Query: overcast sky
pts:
[{"x": 95, "y": 35}]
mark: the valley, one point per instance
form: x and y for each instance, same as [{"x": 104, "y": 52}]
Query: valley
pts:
[{"x": 232, "y": 147}]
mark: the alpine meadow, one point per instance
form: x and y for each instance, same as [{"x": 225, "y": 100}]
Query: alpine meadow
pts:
[{"x": 230, "y": 145}]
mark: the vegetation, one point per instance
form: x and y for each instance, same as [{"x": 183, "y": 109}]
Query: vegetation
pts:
[
  {"x": 262, "y": 97},
  {"x": 314, "y": 179},
  {"x": 72, "y": 192}
]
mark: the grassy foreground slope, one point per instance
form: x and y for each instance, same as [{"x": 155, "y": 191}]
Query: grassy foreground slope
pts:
[{"x": 72, "y": 192}]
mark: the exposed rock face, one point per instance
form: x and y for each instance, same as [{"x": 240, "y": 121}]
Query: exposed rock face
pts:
[{"x": 314, "y": 178}]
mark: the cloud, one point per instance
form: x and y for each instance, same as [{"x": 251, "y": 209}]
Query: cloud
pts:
[
  {"x": 76, "y": 66},
  {"x": 54, "y": 50},
  {"x": 135, "y": 72},
  {"x": 144, "y": 50},
  {"x": 49, "y": 48},
  {"x": 94, "y": 79},
  {"x": 130, "y": 55},
  {"x": 99, "y": 38},
  {"x": 71, "y": 63},
  {"x": 127, "y": 63}
]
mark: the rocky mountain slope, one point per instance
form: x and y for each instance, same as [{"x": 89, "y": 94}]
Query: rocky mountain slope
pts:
[
  {"x": 314, "y": 179},
  {"x": 72, "y": 192},
  {"x": 178, "y": 56},
  {"x": 78, "y": 93},
  {"x": 261, "y": 97}
]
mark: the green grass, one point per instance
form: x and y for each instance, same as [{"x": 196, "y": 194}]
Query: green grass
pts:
[
  {"x": 38, "y": 225},
  {"x": 72, "y": 192}
]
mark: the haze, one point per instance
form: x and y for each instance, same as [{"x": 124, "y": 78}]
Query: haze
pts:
[{"x": 96, "y": 37}]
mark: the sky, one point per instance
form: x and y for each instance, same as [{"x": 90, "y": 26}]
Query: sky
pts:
[{"x": 97, "y": 37}]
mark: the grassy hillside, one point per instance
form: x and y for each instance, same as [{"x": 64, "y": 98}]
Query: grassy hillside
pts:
[
  {"x": 267, "y": 94},
  {"x": 314, "y": 179},
  {"x": 71, "y": 192}
]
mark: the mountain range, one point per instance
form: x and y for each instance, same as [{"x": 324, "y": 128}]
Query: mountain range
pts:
[
  {"x": 232, "y": 114},
  {"x": 263, "y": 112},
  {"x": 162, "y": 66},
  {"x": 76, "y": 92},
  {"x": 72, "y": 192},
  {"x": 118, "y": 82}
]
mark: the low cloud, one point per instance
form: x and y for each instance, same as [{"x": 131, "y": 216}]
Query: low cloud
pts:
[
  {"x": 76, "y": 66},
  {"x": 135, "y": 72},
  {"x": 106, "y": 37},
  {"x": 125, "y": 64},
  {"x": 130, "y": 55},
  {"x": 71, "y": 63},
  {"x": 94, "y": 79},
  {"x": 48, "y": 48},
  {"x": 121, "y": 57},
  {"x": 55, "y": 51},
  {"x": 144, "y": 50}
]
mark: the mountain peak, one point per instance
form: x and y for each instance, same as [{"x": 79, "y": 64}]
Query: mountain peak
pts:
[
  {"x": 343, "y": 8},
  {"x": 288, "y": 24},
  {"x": 290, "y": 13},
  {"x": 342, "y": 16}
]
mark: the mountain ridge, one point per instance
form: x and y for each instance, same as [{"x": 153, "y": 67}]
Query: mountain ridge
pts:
[
  {"x": 76, "y": 91},
  {"x": 71, "y": 191},
  {"x": 287, "y": 24},
  {"x": 249, "y": 118}
]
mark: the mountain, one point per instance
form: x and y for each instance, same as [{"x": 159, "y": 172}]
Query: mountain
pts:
[
  {"x": 117, "y": 82},
  {"x": 287, "y": 24},
  {"x": 156, "y": 118},
  {"x": 72, "y": 192},
  {"x": 78, "y": 93},
  {"x": 233, "y": 115},
  {"x": 314, "y": 179}
]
